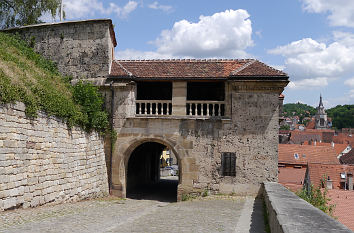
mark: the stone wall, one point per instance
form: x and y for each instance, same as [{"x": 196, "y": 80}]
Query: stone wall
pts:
[
  {"x": 288, "y": 213},
  {"x": 250, "y": 130},
  {"x": 81, "y": 49},
  {"x": 42, "y": 161}
]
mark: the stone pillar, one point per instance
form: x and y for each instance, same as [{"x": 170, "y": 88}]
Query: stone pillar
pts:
[{"x": 179, "y": 98}]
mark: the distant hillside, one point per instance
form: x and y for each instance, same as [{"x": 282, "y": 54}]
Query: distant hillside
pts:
[
  {"x": 342, "y": 116},
  {"x": 27, "y": 77},
  {"x": 298, "y": 109}
]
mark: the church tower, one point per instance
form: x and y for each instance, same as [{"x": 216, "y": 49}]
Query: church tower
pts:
[{"x": 321, "y": 116}]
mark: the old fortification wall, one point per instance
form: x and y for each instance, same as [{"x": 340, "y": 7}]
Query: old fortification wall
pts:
[
  {"x": 288, "y": 213},
  {"x": 42, "y": 161},
  {"x": 81, "y": 49}
]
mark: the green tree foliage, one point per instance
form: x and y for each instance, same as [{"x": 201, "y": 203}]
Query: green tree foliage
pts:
[
  {"x": 284, "y": 127},
  {"x": 342, "y": 116},
  {"x": 317, "y": 198},
  {"x": 298, "y": 109},
  {"x": 27, "y": 77},
  {"x": 91, "y": 102},
  {"x": 24, "y": 12}
]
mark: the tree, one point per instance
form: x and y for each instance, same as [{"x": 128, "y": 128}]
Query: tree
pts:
[
  {"x": 298, "y": 109},
  {"x": 342, "y": 116},
  {"x": 25, "y": 12},
  {"x": 284, "y": 127}
]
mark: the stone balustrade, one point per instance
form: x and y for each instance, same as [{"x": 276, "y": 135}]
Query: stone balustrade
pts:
[
  {"x": 154, "y": 107},
  {"x": 205, "y": 108}
]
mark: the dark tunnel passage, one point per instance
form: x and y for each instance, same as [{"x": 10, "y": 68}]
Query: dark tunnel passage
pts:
[{"x": 143, "y": 177}]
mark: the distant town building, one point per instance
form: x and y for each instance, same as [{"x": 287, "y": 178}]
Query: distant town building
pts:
[{"x": 321, "y": 116}]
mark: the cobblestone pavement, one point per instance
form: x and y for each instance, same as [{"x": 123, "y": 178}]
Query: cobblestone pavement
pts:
[{"x": 210, "y": 214}]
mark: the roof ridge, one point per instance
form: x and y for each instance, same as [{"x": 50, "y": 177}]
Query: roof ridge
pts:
[
  {"x": 272, "y": 68},
  {"x": 183, "y": 60},
  {"x": 123, "y": 68},
  {"x": 243, "y": 67}
]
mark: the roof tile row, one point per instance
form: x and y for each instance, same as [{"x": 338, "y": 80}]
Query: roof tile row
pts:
[{"x": 194, "y": 68}]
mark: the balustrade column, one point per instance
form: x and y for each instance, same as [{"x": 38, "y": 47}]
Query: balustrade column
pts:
[{"x": 179, "y": 98}]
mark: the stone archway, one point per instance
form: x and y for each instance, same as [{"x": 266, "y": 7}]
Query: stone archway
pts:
[
  {"x": 124, "y": 149},
  {"x": 144, "y": 179}
]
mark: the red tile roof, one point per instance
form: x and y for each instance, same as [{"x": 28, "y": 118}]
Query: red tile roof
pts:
[
  {"x": 194, "y": 68},
  {"x": 293, "y": 187},
  {"x": 339, "y": 148},
  {"x": 344, "y": 138},
  {"x": 348, "y": 158},
  {"x": 318, "y": 171},
  {"x": 311, "y": 124},
  {"x": 344, "y": 208},
  {"x": 313, "y": 154},
  {"x": 291, "y": 175},
  {"x": 299, "y": 136}
]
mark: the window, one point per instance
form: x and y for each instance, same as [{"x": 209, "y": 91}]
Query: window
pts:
[
  {"x": 228, "y": 164},
  {"x": 296, "y": 156}
]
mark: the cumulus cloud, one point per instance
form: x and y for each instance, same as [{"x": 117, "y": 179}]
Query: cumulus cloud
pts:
[
  {"x": 156, "y": 6},
  {"x": 349, "y": 82},
  {"x": 351, "y": 94},
  {"x": 224, "y": 34},
  {"x": 312, "y": 63},
  {"x": 308, "y": 83},
  {"x": 341, "y": 12},
  {"x": 82, "y": 8}
]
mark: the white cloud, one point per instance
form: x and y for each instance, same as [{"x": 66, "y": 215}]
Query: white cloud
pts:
[
  {"x": 278, "y": 67},
  {"x": 351, "y": 94},
  {"x": 89, "y": 8},
  {"x": 341, "y": 12},
  {"x": 139, "y": 55},
  {"x": 349, "y": 82},
  {"x": 224, "y": 34},
  {"x": 297, "y": 47},
  {"x": 308, "y": 83},
  {"x": 311, "y": 63},
  {"x": 156, "y": 6}
]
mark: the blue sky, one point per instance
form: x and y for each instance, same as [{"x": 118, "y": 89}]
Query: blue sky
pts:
[{"x": 311, "y": 40}]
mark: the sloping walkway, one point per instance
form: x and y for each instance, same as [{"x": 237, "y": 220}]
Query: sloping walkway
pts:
[{"x": 210, "y": 214}]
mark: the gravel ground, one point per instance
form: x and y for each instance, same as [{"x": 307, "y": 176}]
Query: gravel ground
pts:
[{"x": 210, "y": 214}]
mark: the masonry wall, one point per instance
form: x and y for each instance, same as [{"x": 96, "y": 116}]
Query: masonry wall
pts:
[
  {"x": 81, "y": 49},
  {"x": 42, "y": 161},
  {"x": 250, "y": 130}
]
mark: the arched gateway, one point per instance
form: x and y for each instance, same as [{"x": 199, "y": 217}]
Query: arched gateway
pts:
[
  {"x": 147, "y": 176},
  {"x": 136, "y": 168}
]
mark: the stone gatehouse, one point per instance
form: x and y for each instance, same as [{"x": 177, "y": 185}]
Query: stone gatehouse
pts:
[{"x": 218, "y": 117}]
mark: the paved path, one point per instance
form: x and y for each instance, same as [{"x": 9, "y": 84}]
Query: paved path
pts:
[{"x": 210, "y": 214}]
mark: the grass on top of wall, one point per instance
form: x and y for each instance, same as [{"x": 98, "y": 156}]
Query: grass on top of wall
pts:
[{"x": 27, "y": 77}]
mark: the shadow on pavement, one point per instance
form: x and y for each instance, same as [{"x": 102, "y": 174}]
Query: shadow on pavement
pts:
[
  {"x": 165, "y": 191},
  {"x": 257, "y": 217}
]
